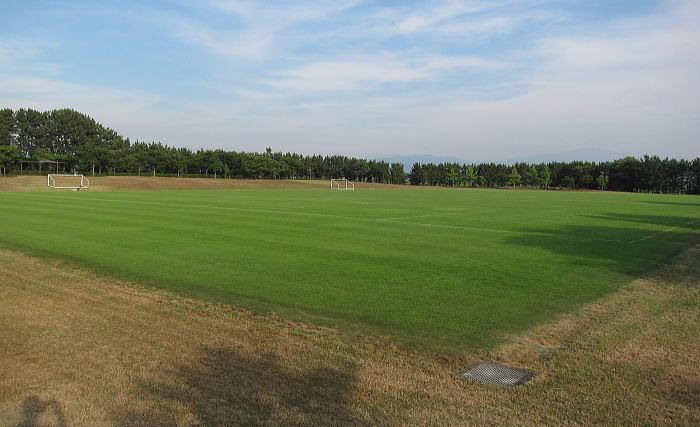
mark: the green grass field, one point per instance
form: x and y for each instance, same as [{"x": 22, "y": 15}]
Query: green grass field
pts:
[{"x": 443, "y": 270}]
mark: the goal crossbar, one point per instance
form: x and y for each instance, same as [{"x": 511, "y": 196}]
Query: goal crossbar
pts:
[
  {"x": 342, "y": 184},
  {"x": 51, "y": 182}
]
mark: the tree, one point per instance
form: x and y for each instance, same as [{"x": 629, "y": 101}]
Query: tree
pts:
[
  {"x": 470, "y": 177},
  {"x": 452, "y": 176},
  {"x": 10, "y": 157},
  {"x": 602, "y": 181},
  {"x": 625, "y": 174},
  {"x": 30, "y": 130},
  {"x": 77, "y": 140},
  {"x": 181, "y": 157},
  {"x": 216, "y": 165},
  {"x": 8, "y": 127},
  {"x": 397, "y": 175},
  {"x": 514, "y": 178},
  {"x": 545, "y": 176},
  {"x": 92, "y": 155},
  {"x": 418, "y": 175},
  {"x": 568, "y": 182},
  {"x": 532, "y": 177}
]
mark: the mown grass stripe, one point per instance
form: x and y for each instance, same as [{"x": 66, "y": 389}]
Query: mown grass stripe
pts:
[
  {"x": 456, "y": 282},
  {"x": 353, "y": 218}
]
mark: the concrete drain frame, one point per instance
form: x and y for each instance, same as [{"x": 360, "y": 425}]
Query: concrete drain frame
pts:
[{"x": 495, "y": 374}]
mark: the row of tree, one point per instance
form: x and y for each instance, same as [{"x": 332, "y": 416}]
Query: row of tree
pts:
[
  {"x": 648, "y": 174},
  {"x": 79, "y": 143}
]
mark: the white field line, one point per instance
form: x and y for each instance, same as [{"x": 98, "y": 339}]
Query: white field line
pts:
[
  {"x": 353, "y": 218},
  {"x": 441, "y": 214},
  {"x": 664, "y": 231}
]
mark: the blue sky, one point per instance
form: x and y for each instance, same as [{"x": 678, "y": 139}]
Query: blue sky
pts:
[{"x": 478, "y": 80}]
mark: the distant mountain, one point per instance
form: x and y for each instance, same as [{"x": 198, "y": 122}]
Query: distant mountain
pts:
[
  {"x": 583, "y": 154},
  {"x": 408, "y": 161}
]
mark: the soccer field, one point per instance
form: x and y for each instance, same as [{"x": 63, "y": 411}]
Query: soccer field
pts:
[{"x": 440, "y": 269}]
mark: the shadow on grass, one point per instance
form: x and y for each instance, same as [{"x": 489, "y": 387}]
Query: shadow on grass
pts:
[
  {"x": 224, "y": 387},
  {"x": 34, "y": 408},
  {"x": 633, "y": 248},
  {"x": 664, "y": 220},
  {"x": 657, "y": 202}
]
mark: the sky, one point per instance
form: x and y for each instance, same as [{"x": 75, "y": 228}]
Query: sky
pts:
[{"x": 477, "y": 80}]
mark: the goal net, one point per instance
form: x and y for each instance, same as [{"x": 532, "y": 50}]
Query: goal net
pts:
[
  {"x": 342, "y": 184},
  {"x": 67, "y": 182}
]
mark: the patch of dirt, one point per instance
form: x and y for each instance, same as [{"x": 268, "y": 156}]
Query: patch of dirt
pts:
[
  {"x": 155, "y": 183},
  {"x": 76, "y": 348}
]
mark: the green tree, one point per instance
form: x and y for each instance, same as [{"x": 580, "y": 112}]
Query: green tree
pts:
[
  {"x": 532, "y": 177},
  {"x": 568, "y": 182},
  {"x": 418, "y": 175},
  {"x": 397, "y": 175},
  {"x": 10, "y": 157},
  {"x": 514, "y": 178},
  {"x": 453, "y": 176},
  {"x": 545, "y": 176},
  {"x": 93, "y": 155},
  {"x": 216, "y": 165},
  {"x": 8, "y": 127},
  {"x": 470, "y": 176},
  {"x": 80, "y": 142},
  {"x": 602, "y": 181}
]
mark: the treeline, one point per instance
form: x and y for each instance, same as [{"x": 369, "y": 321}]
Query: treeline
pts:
[
  {"x": 81, "y": 144},
  {"x": 649, "y": 174}
]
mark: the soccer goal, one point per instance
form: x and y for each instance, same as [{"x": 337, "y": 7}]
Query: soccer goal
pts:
[
  {"x": 67, "y": 181},
  {"x": 342, "y": 184}
]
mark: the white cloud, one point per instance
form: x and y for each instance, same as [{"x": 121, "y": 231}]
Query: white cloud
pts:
[
  {"x": 632, "y": 89},
  {"x": 440, "y": 13},
  {"x": 258, "y": 28},
  {"x": 136, "y": 114},
  {"x": 346, "y": 75},
  {"x": 629, "y": 86},
  {"x": 18, "y": 56},
  {"x": 253, "y": 43},
  {"x": 368, "y": 72},
  {"x": 455, "y": 18}
]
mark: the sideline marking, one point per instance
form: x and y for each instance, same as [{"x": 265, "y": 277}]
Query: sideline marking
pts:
[
  {"x": 664, "y": 231},
  {"x": 354, "y": 218}
]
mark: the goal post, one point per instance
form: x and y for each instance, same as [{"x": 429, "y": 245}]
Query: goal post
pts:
[
  {"x": 342, "y": 184},
  {"x": 67, "y": 181}
]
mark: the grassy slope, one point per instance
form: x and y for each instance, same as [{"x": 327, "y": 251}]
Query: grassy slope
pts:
[{"x": 520, "y": 258}]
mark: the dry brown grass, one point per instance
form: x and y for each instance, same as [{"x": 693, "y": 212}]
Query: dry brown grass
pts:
[
  {"x": 80, "y": 349},
  {"x": 151, "y": 183}
]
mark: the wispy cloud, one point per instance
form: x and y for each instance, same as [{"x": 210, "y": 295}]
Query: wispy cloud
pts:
[
  {"x": 259, "y": 26},
  {"x": 20, "y": 56},
  {"x": 250, "y": 43},
  {"x": 437, "y": 14},
  {"x": 369, "y": 72},
  {"x": 461, "y": 18},
  {"x": 473, "y": 79}
]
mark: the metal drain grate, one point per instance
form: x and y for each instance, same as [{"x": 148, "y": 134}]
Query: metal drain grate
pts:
[{"x": 491, "y": 373}]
